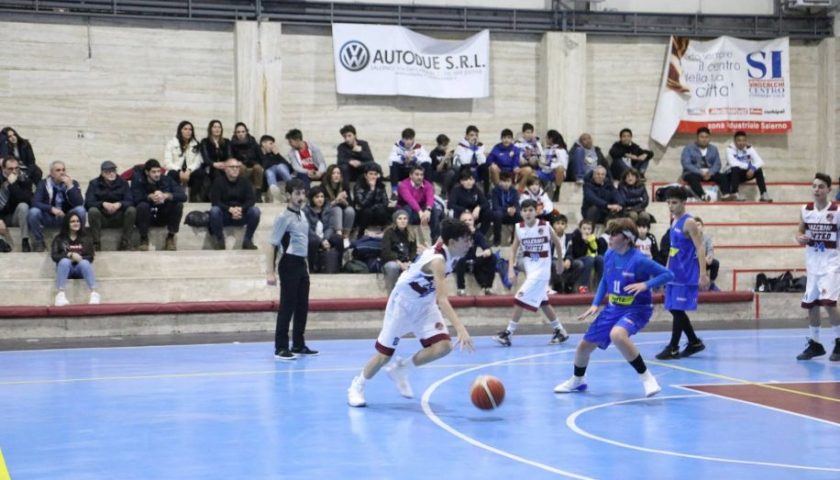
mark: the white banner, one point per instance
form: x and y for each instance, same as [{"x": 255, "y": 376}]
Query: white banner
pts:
[
  {"x": 726, "y": 84},
  {"x": 386, "y": 60}
]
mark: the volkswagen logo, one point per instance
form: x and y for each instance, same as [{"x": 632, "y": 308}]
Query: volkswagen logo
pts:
[{"x": 354, "y": 55}]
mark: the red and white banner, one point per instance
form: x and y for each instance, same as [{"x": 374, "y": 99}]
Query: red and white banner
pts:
[{"x": 726, "y": 84}]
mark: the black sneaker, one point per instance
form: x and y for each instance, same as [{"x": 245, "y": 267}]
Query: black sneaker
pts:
[
  {"x": 835, "y": 355},
  {"x": 503, "y": 338},
  {"x": 693, "y": 348},
  {"x": 559, "y": 337},
  {"x": 24, "y": 245},
  {"x": 668, "y": 353},
  {"x": 305, "y": 351},
  {"x": 814, "y": 349},
  {"x": 248, "y": 245},
  {"x": 284, "y": 354},
  {"x": 39, "y": 246}
]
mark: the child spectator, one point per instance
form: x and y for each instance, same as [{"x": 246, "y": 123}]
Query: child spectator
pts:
[
  {"x": 306, "y": 158},
  {"x": 586, "y": 254},
  {"x": 483, "y": 265},
  {"x": 562, "y": 282},
  {"x": 352, "y": 154},
  {"x": 505, "y": 157},
  {"x": 505, "y": 206},
  {"x": 406, "y": 154},
  {"x": 646, "y": 243},
  {"x": 275, "y": 165},
  {"x": 632, "y": 196},
  {"x": 470, "y": 153},
  {"x": 712, "y": 263},
  {"x": 744, "y": 164},
  {"x": 553, "y": 165},
  {"x": 399, "y": 247},
  {"x": 468, "y": 197},
  {"x": 442, "y": 172},
  {"x": 72, "y": 251},
  {"x": 626, "y": 154},
  {"x": 534, "y": 191}
]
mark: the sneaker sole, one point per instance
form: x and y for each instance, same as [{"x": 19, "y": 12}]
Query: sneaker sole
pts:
[
  {"x": 285, "y": 359},
  {"x": 501, "y": 342},
  {"x": 579, "y": 389},
  {"x": 557, "y": 342},
  {"x": 362, "y": 405},
  {"x": 648, "y": 395},
  {"x": 688, "y": 354},
  {"x": 800, "y": 357},
  {"x": 301, "y": 354}
]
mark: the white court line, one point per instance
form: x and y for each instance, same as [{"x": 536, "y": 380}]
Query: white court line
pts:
[{"x": 571, "y": 422}]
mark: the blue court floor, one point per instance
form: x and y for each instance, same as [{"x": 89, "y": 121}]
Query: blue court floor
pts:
[{"x": 230, "y": 411}]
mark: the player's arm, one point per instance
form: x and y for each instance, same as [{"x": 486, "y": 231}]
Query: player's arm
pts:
[
  {"x": 272, "y": 253},
  {"x": 442, "y": 294},
  {"x": 802, "y": 238},
  {"x": 514, "y": 249},
  {"x": 600, "y": 293},
  {"x": 697, "y": 238},
  {"x": 659, "y": 277},
  {"x": 558, "y": 247}
]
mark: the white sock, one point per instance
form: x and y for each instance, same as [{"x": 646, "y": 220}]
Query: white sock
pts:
[
  {"x": 361, "y": 377},
  {"x": 512, "y": 326},
  {"x": 815, "y": 333},
  {"x": 555, "y": 324},
  {"x": 645, "y": 376}
]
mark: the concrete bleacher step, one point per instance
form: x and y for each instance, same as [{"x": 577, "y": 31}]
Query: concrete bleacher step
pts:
[
  {"x": 774, "y": 233},
  {"x": 779, "y": 191},
  {"x": 720, "y": 212}
]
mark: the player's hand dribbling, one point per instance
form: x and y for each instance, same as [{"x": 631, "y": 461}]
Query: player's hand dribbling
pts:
[{"x": 590, "y": 311}]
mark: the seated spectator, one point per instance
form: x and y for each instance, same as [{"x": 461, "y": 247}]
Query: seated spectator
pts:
[
  {"x": 646, "y": 243},
  {"x": 183, "y": 160},
  {"x": 245, "y": 148},
  {"x": 215, "y": 149},
  {"x": 15, "y": 200},
  {"x": 339, "y": 203},
  {"x": 307, "y": 160},
  {"x": 552, "y": 165},
  {"x": 276, "y": 166},
  {"x": 441, "y": 165},
  {"x": 233, "y": 203},
  {"x": 626, "y": 154},
  {"x": 563, "y": 282},
  {"x": 712, "y": 263},
  {"x": 504, "y": 205},
  {"x": 326, "y": 246},
  {"x": 632, "y": 196},
  {"x": 585, "y": 157},
  {"x": 744, "y": 165},
  {"x": 110, "y": 205},
  {"x": 371, "y": 200},
  {"x": 701, "y": 163},
  {"x": 467, "y": 196},
  {"x": 534, "y": 191},
  {"x": 12, "y": 144},
  {"x": 506, "y": 157},
  {"x": 55, "y": 197},
  {"x": 405, "y": 155},
  {"x": 586, "y": 253},
  {"x": 470, "y": 153},
  {"x": 72, "y": 251},
  {"x": 417, "y": 198},
  {"x": 159, "y": 201},
  {"x": 532, "y": 149},
  {"x": 353, "y": 154},
  {"x": 399, "y": 247},
  {"x": 599, "y": 197},
  {"x": 482, "y": 264}
]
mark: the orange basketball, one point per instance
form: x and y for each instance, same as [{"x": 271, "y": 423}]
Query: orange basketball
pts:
[{"x": 487, "y": 392}]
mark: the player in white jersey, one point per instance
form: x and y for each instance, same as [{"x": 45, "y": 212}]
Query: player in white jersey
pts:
[
  {"x": 418, "y": 304},
  {"x": 534, "y": 237},
  {"x": 818, "y": 230}
]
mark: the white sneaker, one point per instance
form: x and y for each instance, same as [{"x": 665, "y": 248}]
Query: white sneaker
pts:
[
  {"x": 651, "y": 385},
  {"x": 61, "y": 299},
  {"x": 397, "y": 371},
  {"x": 356, "y": 393},
  {"x": 572, "y": 385},
  {"x": 94, "y": 298}
]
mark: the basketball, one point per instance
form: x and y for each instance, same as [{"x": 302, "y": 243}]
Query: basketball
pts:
[{"x": 487, "y": 392}]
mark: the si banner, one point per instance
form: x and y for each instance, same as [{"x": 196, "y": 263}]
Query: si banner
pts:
[
  {"x": 726, "y": 84},
  {"x": 387, "y": 60}
]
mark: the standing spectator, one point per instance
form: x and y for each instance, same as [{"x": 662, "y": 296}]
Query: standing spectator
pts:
[
  {"x": 275, "y": 166},
  {"x": 586, "y": 254},
  {"x": 468, "y": 197},
  {"x": 483, "y": 264},
  {"x": 417, "y": 198},
  {"x": 632, "y": 196},
  {"x": 339, "y": 202},
  {"x": 159, "y": 201},
  {"x": 712, "y": 263},
  {"x": 470, "y": 153},
  {"x": 405, "y": 155},
  {"x": 534, "y": 191},
  {"x": 109, "y": 204},
  {"x": 441, "y": 160},
  {"x": 307, "y": 160},
  {"x": 215, "y": 149},
  {"x": 183, "y": 160},
  {"x": 744, "y": 165},
  {"x": 353, "y": 154},
  {"x": 399, "y": 247},
  {"x": 371, "y": 200},
  {"x": 15, "y": 200},
  {"x": 506, "y": 157},
  {"x": 562, "y": 282},
  {"x": 585, "y": 157},
  {"x": 646, "y": 243},
  {"x": 72, "y": 251},
  {"x": 626, "y": 154},
  {"x": 553, "y": 165},
  {"x": 505, "y": 206},
  {"x": 21, "y": 149},
  {"x": 532, "y": 149},
  {"x": 599, "y": 197},
  {"x": 55, "y": 197},
  {"x": 244, "y": 147},
  {"x": 233, "y": 203},
  {"x": 325, "y": 245},
  {"x": 701, "y": 163}
]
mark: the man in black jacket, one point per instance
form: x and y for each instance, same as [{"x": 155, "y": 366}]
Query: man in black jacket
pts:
[
  {"x": 160, "y": 201},
  {"x": 599, "y": 197},
  {"x": 109, "y": 204},
  {"x": 15, "y": 199},
  {"x": 233, "y": 203},
  {"x": 353, "y": 154},
  {"x": 468, "y": 197}
]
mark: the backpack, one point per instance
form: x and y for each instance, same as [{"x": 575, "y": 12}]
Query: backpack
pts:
[
  {"x": 662, "y": 192},
  {"x": 784, "y": 282},
  {"x": 355, "y": 266},
  {"x": 197, "y": 218}
]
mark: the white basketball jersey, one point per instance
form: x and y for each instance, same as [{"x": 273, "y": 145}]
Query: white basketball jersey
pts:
[
  {"x": 821, "y": 227},
  {"x": 416, "y": 283},
  {"x": 535, "y": 244}
]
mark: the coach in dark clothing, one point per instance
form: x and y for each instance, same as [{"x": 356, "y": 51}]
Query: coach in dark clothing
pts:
[
  {"x": 233, "y": 203},
  {"x": 599, "y": 197},
  {"x": 468, "y": 197},
  {"x": 109, "y": 204},
  {"x": 353, "y": 154},
  {"x": 159, "y": 201}
]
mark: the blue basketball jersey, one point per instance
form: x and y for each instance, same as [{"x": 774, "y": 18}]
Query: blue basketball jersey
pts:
[
  {"x": 623, "y": 270},
  {"x": 682, "y": 259}
]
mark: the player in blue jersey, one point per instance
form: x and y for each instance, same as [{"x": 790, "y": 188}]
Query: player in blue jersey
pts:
[
  {"x": 629, "y": 276},
  {"x": 687, "y": 261}
]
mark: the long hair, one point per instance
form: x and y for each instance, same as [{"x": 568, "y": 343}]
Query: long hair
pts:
[
  {"x": 185, "y": 142},
  {"x": 556, "y": 138},
  {"x": 210, "y": 128},
  {"x": 65, "y": 226},
  {"x": 331, "y": 190},
  {"x": 409, "y": 232},
  {"x": 20, "y": 140}
]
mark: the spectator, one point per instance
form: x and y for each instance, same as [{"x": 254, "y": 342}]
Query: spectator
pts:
[
  {"x": 159, "y": 201},
  {"x": 417, "y": 198},
  {"x": 72, "y": 251},
  {"x": 482, "y": 264},
  {"x": 586, "y": 254},
  {"x": 563, "y": 282},
  {"x": 585, "y": 157},
  {"x": 632, "y": 196},
  {"x": 626, "y": 154},
  {"x": 470, "y": 153},
  {"x": 744, "y": 165},
  {"x": 232, "y": 200},
  {"x": 183, "y": 160},
  {"x": 553, "y": 165},
  {"x": 21, "y": 148},
  {"x": 441, "y": 162},
  {"x": 712, "y": 263},
  {"x": 467, "y": 196},
  {"x": 506, "y": 157},
  {"x": 532, "y": 150},
  {"x": 534, "y": 191},
  {"x": 646, "y": 243},
  {"x": 405, "y": 155},
  {"x": 399, "y": 247},
  {"x": 599, "y": 197},
  {"x": 215, "y": 149},
  {"x": 505, "y": 206},
  {"x": 339, "y": 203},
  {"x": 55, "y": 197},
  {"x": 353, "y": 154},
  {"x": 326, "y": 246},
  {"x": 275, "y": 166},
  {"x": 371, "y": 200},
  {"x": 664, "y": 248},
  {"x": 109, "y": 204},
  {"x": 15, "y": 200},
  {"x": 307, "y": 160},
  {"x": 244, "y": 148},
  {"x": 701, "y": 163}
]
